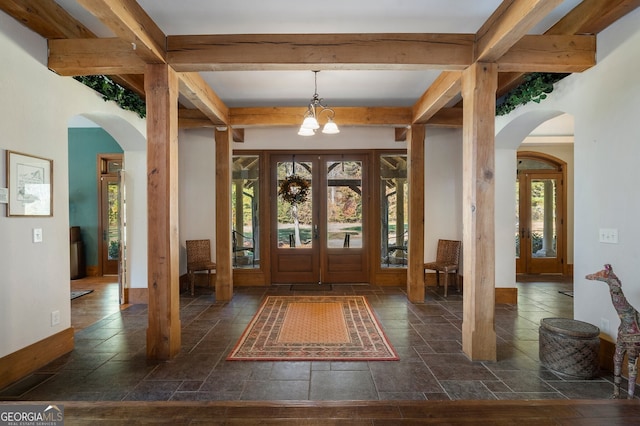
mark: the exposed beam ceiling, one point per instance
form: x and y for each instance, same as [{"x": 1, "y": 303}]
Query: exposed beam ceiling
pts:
[{"x": 568, "y": 46}]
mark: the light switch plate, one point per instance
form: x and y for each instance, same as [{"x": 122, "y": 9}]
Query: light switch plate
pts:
[
  {"x": 37, "y": 235},
  {"x": 608, "y": 235}
]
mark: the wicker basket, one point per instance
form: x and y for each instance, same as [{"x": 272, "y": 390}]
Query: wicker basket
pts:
[{"x": 569, "y": 347}]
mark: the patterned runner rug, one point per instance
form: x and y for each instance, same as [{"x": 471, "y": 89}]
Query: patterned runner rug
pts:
[{"x": 314, "y": 328}]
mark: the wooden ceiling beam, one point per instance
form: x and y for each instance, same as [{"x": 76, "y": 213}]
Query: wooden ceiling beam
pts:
[
  {"x": 442, "y": 91},
  {"x": 93, "y": 56},
  {"x": 45, "y": 17},
  {"x": 593, "y": 16},
  {"x": 542, "y": 53},
  {"x": 319, "y": 51},
  {"x": 193, "y": 87},
  {"x": 134, "y": 82},
  {"x": 128, "y": 21},
  {"x": 505, "y": 27},
  {"x": 511, "y": 21},
  {"x": 192, "y": 118},
  {"x": 550, "y": 53},
  {"x": 345, "y": 116},
  {"x": 446, "y": 117},
  {"x": 588, "y": 17}
]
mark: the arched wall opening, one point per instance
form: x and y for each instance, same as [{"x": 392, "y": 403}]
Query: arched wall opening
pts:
[
  {"x": 527, "y": 131},
  {"x": 97, "y": 133}
]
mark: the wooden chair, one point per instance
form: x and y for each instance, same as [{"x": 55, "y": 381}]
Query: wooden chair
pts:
[
  {"x": 447, "y": 260},
  {"x": 199, "y": 259}
]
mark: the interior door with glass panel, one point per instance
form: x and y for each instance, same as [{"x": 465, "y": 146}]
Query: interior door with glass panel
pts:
[
  {"x": 539, "y": 243},
  {"x": 110, "y": 212},
  {"x": 319, "y": 238}
]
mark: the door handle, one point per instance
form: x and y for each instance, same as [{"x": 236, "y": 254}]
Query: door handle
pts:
[{"x": 315, "y": 232}]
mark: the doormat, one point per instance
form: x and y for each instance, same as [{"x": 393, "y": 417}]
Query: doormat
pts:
[
  {"x": 311, "y": 287},
  {"x": 314, "y": 328},
  {"x": 566, "y": 293},
  {"x": 79, "y": 293}
]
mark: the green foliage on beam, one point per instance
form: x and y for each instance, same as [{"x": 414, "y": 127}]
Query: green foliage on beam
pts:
[
  {"x": 112, "y": 91},
  {"x": 534, "y": 88}
]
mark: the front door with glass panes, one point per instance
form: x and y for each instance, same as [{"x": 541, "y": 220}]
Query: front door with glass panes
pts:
[
  {"x": 319, "y": 219},
  {"x": 539, "y": 213}
]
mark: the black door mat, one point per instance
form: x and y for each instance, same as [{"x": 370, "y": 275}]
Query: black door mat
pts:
[{"x": 311, "y": 287}]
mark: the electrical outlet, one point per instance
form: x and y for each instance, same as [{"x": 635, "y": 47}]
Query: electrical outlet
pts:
[
  {"x": 608, "y": 235},
  {"x": 55, "y": 318},
  {"x": 37, "y": 235},
  {"x": 604, "y": 325}
]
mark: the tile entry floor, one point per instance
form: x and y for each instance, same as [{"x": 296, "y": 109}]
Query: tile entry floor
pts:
[{"x": 109, "y": 361}]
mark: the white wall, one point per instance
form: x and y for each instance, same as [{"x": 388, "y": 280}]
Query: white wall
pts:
[
  {"x": 197, "y": 189},
  {"x": 605, "y": 102},
  {"x": 35, "y": 107},
  {"x": 443, "y": 188}
]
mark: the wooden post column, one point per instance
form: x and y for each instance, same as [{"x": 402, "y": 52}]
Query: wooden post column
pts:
[
  {"x": 224, "y": 270},
  {"x": 479, "y": 84},
  {"x": 415, "y": 270},
  {"x": 163, "y": 333}
]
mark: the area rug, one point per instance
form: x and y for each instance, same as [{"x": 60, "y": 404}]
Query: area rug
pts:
[
  {"x": 78, "y": 293},
  {"x": 314, "y": 328}
]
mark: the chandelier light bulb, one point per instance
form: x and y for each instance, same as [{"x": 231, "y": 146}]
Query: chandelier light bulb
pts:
[
  {"x": 306, "y": 132},
  {"x": 315, "y": 109},
  {"x": 310, "y": 123},
  {"x": 330, "y": 128}
]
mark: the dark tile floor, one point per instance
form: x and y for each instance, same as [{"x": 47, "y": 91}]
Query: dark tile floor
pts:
[{"x": 109, "y": 361}]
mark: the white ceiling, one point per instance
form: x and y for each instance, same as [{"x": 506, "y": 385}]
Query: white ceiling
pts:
[{"x": 337, "y": 88}]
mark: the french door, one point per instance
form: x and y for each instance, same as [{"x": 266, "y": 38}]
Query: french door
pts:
[
  {"x": 320, "y": 237},
  {"x": 539, "y": 234},
  {"x": 110, "y": 207}
]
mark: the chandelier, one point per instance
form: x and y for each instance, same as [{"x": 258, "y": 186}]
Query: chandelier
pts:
[{"x": 315, "y": 109}]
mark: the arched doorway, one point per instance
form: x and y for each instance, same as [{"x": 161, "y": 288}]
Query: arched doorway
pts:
[{"x": 540, "y": 211}]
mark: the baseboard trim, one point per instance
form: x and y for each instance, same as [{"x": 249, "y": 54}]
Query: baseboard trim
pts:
[
  {"x": 25, "y": 361},
  {"x": 506, "y": 295},
  {"x": 135, "y": 296},
  {"x": 605, "y": 356},
  {"x": 92, "y": 271}
]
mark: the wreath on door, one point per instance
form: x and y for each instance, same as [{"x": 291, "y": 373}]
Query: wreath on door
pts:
[{"x": 294, "y": 189}]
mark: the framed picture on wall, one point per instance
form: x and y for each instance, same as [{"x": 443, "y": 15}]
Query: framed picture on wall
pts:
[{"x": 30, "y": 181}]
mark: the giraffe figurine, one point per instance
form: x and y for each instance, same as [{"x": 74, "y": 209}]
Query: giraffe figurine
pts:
[{"x": 628, "y": 332}]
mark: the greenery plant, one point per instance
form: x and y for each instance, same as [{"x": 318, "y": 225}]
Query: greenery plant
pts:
[
  {"x": 112, "y": 91},
  {"x": 534, "y": 88}
]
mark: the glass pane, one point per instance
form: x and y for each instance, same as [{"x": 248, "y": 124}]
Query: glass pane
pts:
[
  {"x": 517, "y": 218},
  {"x": 295, "y": 218},
  {"x": 543, "y": 217},
  {"x": 344, "y": 204},
  {"x": 114, "y": 166},
  {"x": 394, "y": 210},
  {"x": 535, "y": 164},
  {"x": 113, "y": 217},
  {"x": 244, "y": 210}
]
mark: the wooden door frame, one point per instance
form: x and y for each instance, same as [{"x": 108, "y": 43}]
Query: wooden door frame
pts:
[
  {"x": 101, "y": 170},
  {"x": 261, "y": 276},
  {"x": 560, "y": 167}
]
